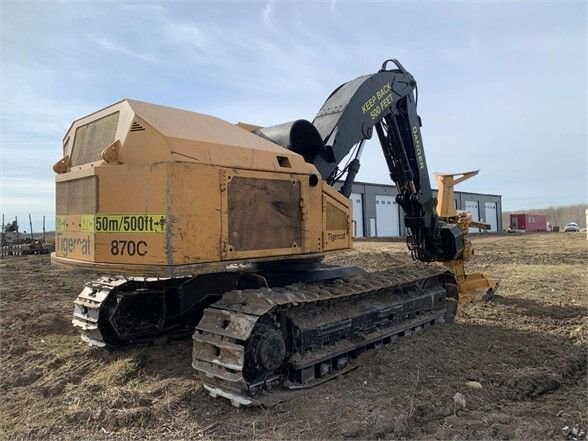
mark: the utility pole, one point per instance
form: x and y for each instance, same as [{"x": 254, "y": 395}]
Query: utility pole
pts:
[
  {"x": 2, "y": 238},
  {"x": 44, "y": 230},
  {"x": 31, "y": 225}
]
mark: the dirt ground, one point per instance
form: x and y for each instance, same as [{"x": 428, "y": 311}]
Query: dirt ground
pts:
[{"x": 527, "y": 348}]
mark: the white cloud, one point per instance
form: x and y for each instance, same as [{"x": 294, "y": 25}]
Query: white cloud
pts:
[
  {"x": 483, "y": 88},
  {"x": 16, "y": 187},
  {"x": 110, "y": 46},
  {"x": 267, "y": 13},
  {"x": 27, "y": 115}
]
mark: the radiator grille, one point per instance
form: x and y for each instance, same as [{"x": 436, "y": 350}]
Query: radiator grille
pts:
[
  {"x": 78, "y": 196},
  {"x": 263, "y": 214},
  {"x": 92, "y": 138},
  {"x": 336, "y": 218}
]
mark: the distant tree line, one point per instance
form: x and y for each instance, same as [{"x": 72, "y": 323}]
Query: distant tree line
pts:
[{"x": 556, "y": 215}]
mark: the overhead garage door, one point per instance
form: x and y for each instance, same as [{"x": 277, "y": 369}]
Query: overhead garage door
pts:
[
  {"x": 357, "y": 199},
  {"x": 472, "y": 207},
  {"x": 491, "y": 215},
  {"x": 387, "y": 217}
]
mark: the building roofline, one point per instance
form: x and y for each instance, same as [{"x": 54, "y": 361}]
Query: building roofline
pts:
[{"x": 435, "y": 189}]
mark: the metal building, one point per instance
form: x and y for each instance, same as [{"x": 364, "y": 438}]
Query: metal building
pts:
[{"x": 376, "y": 212}]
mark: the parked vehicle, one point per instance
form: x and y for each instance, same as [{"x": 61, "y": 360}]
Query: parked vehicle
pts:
[{"x": 572, "y": 227}]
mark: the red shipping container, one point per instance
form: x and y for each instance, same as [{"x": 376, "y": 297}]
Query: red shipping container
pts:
[{"x": 528, "y": 222}]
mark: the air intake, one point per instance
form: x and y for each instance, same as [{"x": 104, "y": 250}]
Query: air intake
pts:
[
  {"x": 78, "y": 196},
  {"x": 90, "y": 139}
]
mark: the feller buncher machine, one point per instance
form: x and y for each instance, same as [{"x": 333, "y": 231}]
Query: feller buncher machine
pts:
[{"x": 219, "y": 231}]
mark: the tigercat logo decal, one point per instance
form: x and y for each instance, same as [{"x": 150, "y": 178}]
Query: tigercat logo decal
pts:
[
  {"x": 339, "y": 236},
  {"x": 64, "y": 246}
]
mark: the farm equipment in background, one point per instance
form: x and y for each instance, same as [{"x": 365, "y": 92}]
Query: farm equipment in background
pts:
[
  {"x": 12, "y": 244},
  {"x": 219, "y": 231}
]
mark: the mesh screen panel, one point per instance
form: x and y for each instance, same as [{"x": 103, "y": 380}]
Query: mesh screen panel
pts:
[
  {"x": 92, "y": 138},
  {"x": 336, "y": 219},
  {"x": 79, "y": 196}
]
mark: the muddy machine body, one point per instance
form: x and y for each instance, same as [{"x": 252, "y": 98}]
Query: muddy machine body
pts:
[{"x": 218, "y": 230}]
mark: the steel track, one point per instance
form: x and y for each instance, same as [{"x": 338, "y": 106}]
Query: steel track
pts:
[{"x": 325, "y": 326}]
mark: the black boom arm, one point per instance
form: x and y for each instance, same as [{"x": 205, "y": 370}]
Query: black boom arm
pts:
[{"x": 385, "y": 101}]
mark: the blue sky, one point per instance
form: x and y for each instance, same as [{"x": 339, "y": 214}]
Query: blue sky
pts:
[{"x": 502, "y": 86}]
